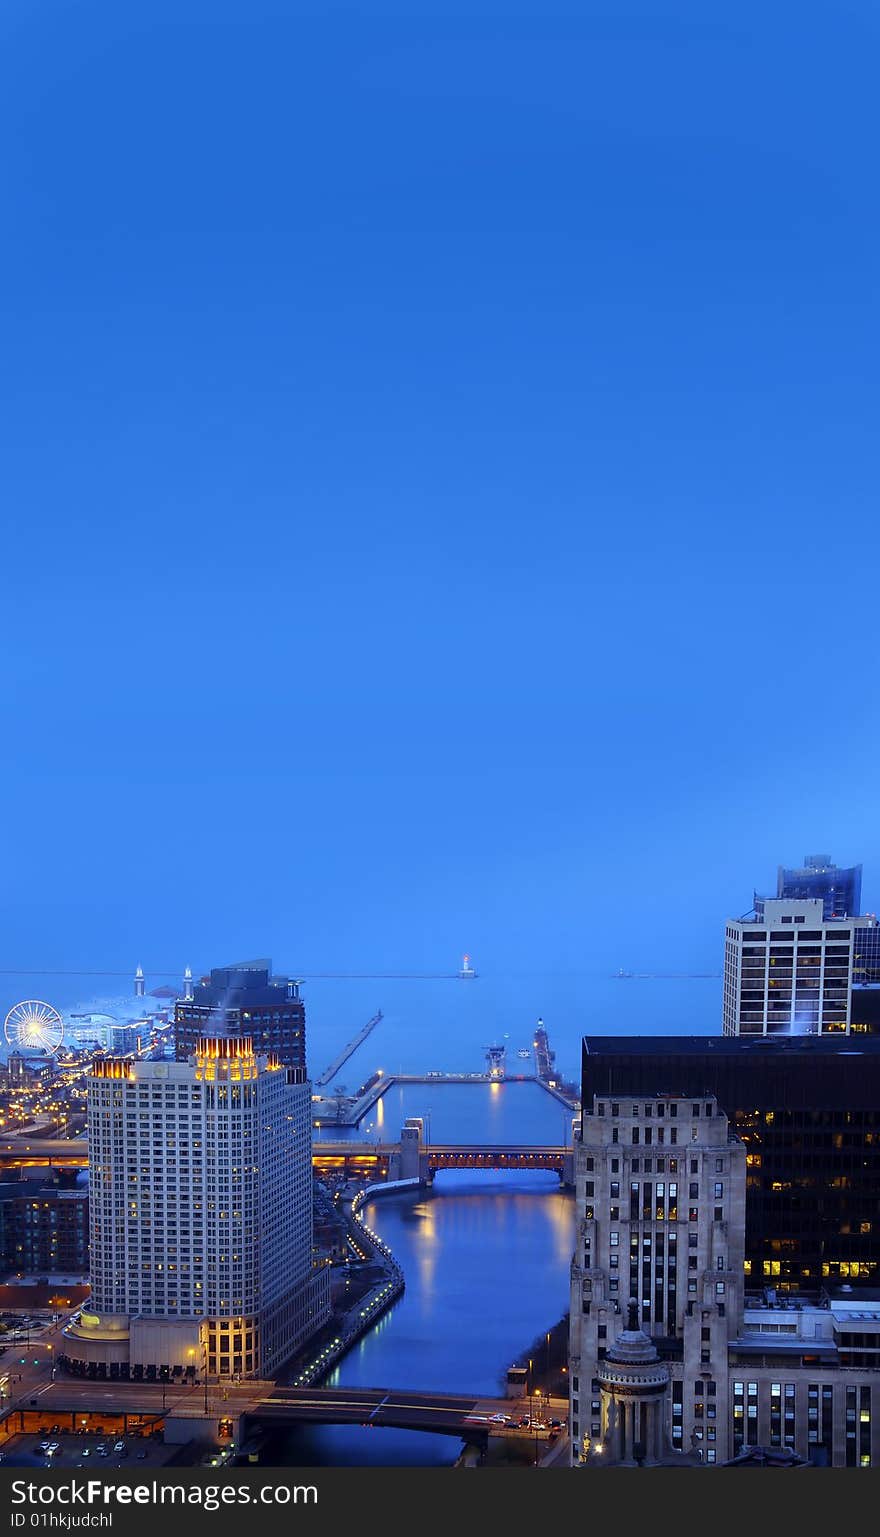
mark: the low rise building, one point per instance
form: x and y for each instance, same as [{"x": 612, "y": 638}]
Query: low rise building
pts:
[{"x": 44, "y": 1226}]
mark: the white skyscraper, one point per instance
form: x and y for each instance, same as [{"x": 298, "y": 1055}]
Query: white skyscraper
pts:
[
  {"x": 789, "y": 971},
  {"x": 201, "y": 1215}
]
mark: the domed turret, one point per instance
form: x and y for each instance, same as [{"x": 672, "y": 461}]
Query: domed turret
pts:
[{"x": 633, "y": 1383}]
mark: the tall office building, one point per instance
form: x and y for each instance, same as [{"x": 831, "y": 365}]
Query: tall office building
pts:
[
  {"x": 791, "y": 971},
  {"x": 702, "y": 1370},
  {"x": 807, "y": 1108},
  {"x": 839, "y": 891},
  {"x": 244, "y": 999},
  {"x": 201, "y": 1217},
  {"x": 660, "y": 1197}
]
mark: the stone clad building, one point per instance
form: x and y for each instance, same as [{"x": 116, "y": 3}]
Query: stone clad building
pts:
[{"x": 702, "y": 1372}]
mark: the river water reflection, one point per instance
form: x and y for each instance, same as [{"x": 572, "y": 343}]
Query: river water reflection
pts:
[{"x": 486, "y": 1258}]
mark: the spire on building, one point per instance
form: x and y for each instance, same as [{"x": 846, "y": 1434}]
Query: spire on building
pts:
[
  {"x": 188, "y": 983},
  {"x": 139, "y": 983}
]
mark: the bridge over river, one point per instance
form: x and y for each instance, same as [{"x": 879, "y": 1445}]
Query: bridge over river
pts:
[
  {"x": 413, "y": 1159},
  {"x": 409, "y": 1159},
  {"x": 184, "y": 1413}
]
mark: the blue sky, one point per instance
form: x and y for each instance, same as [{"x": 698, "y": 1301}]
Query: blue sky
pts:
[{"x": 440, "y": 477}]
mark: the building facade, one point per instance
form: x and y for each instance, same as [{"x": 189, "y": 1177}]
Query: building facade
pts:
[
  {"x": 44, "y": 1226},
  {"x": 807, "y": 1109},
  {"x": 839, "y": 890},
  {"x": 201, "y": 1216},
  {"x": 660, "y": 1200},
  {"x": 791, "y": 971},
  {"x": 245, "y": 999},
  {"x": 703, "y": 1370},
  {"x": 118, "y": 1037}
]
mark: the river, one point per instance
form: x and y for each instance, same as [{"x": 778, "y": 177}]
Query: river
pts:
[{"x": 486, "y": 1258}]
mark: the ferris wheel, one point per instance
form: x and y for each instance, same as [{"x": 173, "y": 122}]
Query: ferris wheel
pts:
[{"x": 33, "y": 1026}]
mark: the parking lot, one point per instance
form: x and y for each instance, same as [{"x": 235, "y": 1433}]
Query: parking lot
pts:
[{"x": 75, "y": 1451}]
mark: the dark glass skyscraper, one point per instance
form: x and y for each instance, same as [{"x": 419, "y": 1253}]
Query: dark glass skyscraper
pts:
[
  {"x": 246, "y": 1000},
  {"x": 808, "y": 1110},
  {"x": 840, "y": 890}
]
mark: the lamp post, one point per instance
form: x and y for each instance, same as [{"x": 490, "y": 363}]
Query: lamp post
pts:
[{"x": 537, "y": 1395}]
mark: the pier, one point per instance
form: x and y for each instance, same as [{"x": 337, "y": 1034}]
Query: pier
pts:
[{"x": 339, "y": 1062}]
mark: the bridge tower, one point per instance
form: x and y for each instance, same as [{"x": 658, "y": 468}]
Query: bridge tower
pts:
[{"x": 411, "y": 1149}]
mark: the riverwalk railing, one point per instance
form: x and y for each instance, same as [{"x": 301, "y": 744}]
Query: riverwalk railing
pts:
[{"x": 366, "y": 1312}]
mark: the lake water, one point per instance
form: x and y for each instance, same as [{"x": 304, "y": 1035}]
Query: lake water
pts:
[
  {"x": 446, "y": 1025},
  {"x": 464, "y": 1113}
]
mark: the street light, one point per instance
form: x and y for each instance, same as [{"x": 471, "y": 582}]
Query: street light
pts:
[{"x": 537, "y": 1395}]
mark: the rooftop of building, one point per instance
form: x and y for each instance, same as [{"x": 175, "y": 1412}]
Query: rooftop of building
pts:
[
  {"x": 770, "y": 911},
  {"x": 253, "y": 980},
  {"x": 730, "y": 1045},
  {"x": 30, "y": 1190}
]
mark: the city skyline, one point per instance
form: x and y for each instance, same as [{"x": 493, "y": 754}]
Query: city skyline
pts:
[{"x": 440, "y": 551}]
